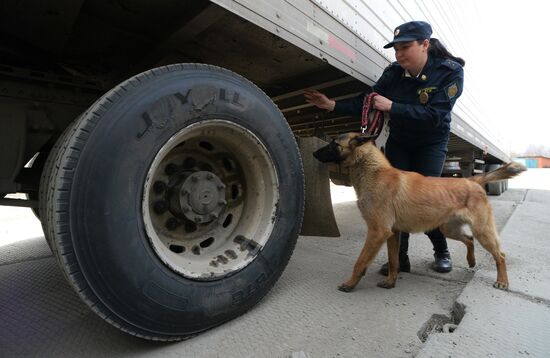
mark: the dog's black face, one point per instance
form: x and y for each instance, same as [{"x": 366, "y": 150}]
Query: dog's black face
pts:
[
  {"x": 341, "y": 148},
  {"x": 329, "y": 153}
]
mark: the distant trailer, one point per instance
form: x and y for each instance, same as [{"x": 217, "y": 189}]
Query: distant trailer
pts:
[{"x": 534, "y": 161}]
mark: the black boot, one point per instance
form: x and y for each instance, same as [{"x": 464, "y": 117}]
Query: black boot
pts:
[
  {"x": 443, "y": 262},
  {"x": 404, "y": 265}
]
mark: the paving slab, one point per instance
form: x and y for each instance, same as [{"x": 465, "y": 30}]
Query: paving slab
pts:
[
  {"x": 496, "y": 324},
  {"x": 510, "y": 323}
]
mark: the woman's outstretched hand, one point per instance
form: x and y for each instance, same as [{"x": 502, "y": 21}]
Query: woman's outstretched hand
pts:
[{"x": 318, "y": 99}]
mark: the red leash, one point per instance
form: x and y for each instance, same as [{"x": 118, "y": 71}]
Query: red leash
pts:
[{"x": 374, "y": 126}]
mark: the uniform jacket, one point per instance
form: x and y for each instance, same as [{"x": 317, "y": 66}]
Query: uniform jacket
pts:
[{"x": 421, "y": 109}]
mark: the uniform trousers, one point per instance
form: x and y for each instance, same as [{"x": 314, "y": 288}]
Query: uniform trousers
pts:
[{"x": 425, "y": 159}]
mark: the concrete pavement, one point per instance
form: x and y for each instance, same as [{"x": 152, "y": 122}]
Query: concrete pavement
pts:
[{"x": 305, "y": 315}]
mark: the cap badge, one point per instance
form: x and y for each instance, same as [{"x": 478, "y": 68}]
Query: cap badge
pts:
[
  {"x": 423, "y": 77},
  {"x": 396, "y": 32}
]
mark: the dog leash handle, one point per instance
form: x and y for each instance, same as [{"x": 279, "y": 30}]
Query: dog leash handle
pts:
[{"x": 366, "y": 125}]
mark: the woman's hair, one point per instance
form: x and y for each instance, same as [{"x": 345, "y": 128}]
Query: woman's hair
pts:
[{"x": 437, "y": 49}]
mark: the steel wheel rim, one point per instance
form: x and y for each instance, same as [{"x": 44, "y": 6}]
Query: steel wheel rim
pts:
[{"x": 210, "y": 200}]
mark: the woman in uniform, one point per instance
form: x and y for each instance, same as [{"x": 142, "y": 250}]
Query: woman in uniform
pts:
[{"x": 418, "y": 91}]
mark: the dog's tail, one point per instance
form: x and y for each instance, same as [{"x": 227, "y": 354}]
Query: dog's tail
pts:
[{"x": 507, "y": 171}]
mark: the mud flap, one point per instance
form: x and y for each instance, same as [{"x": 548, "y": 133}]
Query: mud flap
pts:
[{"x": 319, "y": 217}]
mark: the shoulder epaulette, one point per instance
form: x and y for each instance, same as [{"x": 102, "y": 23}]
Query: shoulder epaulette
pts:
[{"x": 453, "y": 65}]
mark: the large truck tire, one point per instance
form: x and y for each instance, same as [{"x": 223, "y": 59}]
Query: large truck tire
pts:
[
  {"x": 495, "y": 188},
  {"x": 52, "y": 159},
  {"x": 173, "y": 204}
]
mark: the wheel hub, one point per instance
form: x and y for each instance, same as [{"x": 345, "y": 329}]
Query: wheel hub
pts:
[{"x": 202, "y": 197}]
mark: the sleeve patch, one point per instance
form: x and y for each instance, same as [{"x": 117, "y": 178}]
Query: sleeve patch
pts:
[{"x": 452, "y": 90}]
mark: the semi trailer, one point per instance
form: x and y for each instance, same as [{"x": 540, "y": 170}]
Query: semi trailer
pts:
[{"x": 166, "y": 146}]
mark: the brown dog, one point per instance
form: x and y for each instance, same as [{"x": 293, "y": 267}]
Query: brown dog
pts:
[{"x": 392, "y": 200}]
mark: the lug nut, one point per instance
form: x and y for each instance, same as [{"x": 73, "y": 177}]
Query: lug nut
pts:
[
  {"x": 221, "y": 187},
  {"x": 159, "y": 186},
  {"x": 172, "y": 224},
  {"x": 222, "y": 202},
  {"x": 160, "y": 207},
  {"x": 213, "y": 216},
  {"x": 198, "y": 219},
  {"x": 194, "y": 178},
  {"x": 209, "y": 176}
]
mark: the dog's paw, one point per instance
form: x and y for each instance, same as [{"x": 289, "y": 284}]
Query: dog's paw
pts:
[
  {"x": 345, "y": 288},
  {"x": 386, "y": 284},
  {"x": 501, "y": 285}
]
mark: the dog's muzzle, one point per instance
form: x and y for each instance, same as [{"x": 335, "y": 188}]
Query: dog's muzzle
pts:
[{"x": 329, "y": 153}]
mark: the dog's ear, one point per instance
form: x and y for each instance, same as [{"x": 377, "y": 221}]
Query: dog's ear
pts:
[{"x": 362, "y": 139}]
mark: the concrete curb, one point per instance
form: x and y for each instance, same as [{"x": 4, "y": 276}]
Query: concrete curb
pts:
[{"x": 507, "y": 323}]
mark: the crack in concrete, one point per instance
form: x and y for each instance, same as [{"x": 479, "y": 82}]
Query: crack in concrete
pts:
[
  {"x": 522, "y": 295},
  {"x": 439, "y": 323},
  {"x": 530, "y": 298}
]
